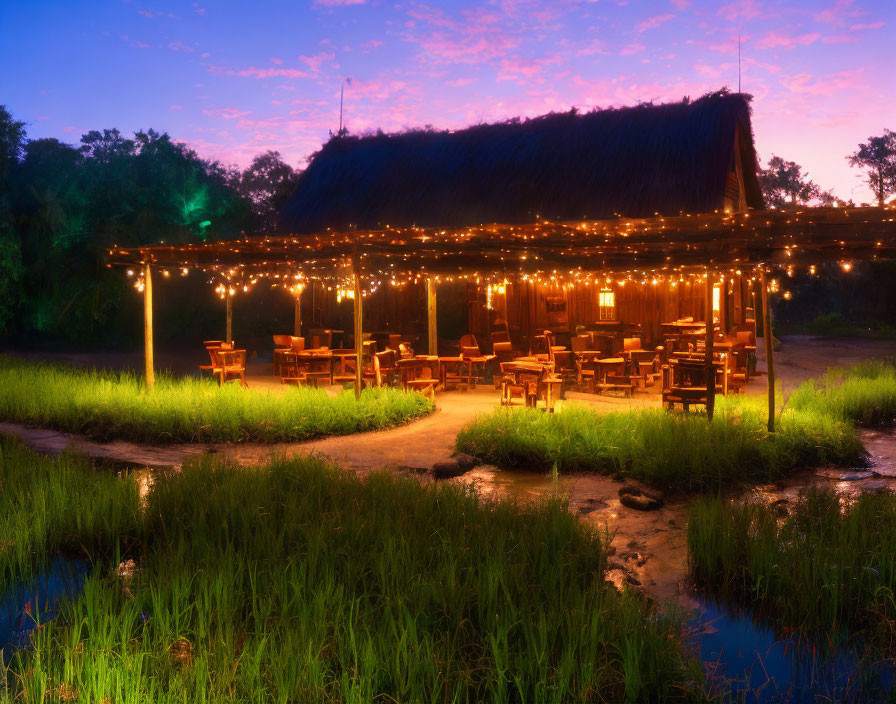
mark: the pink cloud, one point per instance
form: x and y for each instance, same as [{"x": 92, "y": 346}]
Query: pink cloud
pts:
[
  {"x": 870, "y": 25},
  {"x": 740, "y": 10},
  {"x": 337, "y": 3},
  {"x": 632, "y": 48},
  {"x": 594, "y": 46},
  {"x": 317, "y": 60},
  {"x": 839, "y": 13},
  {"x": 180, "y": 46},
  {"x": 262, "y": 73},
  {"x": 784, "y": 40},
  {"x": 807, "y": 84},
  {"x": 654, "y": 22},
  {"x": 175, "y": 107},
  {"x": 276, "y": 61},
  {"x": 478, "y": 36},
  {"x": 460, "y": 82},
  {"x": 707, "y": 70},
  {"x": 681, "y": 4},
  {"x": 227, "y": 113}
]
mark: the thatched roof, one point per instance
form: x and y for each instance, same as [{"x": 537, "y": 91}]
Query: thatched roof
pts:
[{"x": 635, "y": 162}]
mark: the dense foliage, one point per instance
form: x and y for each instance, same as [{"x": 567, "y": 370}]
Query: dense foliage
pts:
[
  {"x": 62, "y": 206},
  {"x": 110, "y": 405},
  {"x": 301, "y": 583}
]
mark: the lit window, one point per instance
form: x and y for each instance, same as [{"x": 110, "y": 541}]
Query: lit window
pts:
[
  {"x": 716, "y": 298},
  {"x": 607, "y": 302}
]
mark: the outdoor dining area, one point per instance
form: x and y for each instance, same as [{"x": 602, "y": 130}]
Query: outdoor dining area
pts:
[
  {"x": 664, "y": 306},
  {"x": 534, "y": 372}
]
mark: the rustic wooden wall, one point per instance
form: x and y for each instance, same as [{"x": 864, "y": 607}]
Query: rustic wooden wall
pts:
[{"x": 527, "y": 307}]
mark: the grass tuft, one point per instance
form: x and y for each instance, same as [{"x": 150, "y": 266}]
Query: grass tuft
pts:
[
  {"x": 304, "y": 583},
  {"x": 863, "y": 394},
  {"x": 666, "y": 450},
  {"x": 830, "y": 563},
  {"x": 111, "y": 405}
]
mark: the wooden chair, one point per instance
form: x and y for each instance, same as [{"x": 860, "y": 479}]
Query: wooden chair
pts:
[
  {"x": 472, "y": 355},
  {"x": 209, "y": 346},
  {"x": 684, "y": 383},
  {"x": 291, "y": 368},
  {"x": 382, "y": 371},
  {"x": 565, "y": 366},
  {"x": 229, "y": 364},
  {"x": 345, "y": 370},
  {"x": 282, "y": 343},
  {"x": 454, "y": 370},
  {"x": 321, "y": 339},
  {"x": 421, "y": 379},
  {"x": 524, "y": 385}
]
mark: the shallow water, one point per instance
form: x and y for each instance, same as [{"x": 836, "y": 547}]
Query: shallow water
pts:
[
  {"x": 745, "y": 657},
  {"x": 755, "y": 664},
  {"x": 28, "y": 604}
]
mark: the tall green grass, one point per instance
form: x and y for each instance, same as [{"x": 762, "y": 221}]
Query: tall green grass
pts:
[
  {"x": 666, "y": 450},
  {"x": 52, "y": 505},
  {"x": 827, "y": 565},
  {"x": 110, "y": 405},
  {"x": 864, "y": 394},
  {"x": 302, "y": 583}
]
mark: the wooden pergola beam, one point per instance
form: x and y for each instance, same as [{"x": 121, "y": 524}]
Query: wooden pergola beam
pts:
[
  {"x": 147, "y": 326},
  {"x": 769, "y": 350},
  {"x": 431, "y": 318}
]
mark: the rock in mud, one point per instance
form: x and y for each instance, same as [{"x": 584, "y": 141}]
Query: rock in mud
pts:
[
  {"x": 631, "y": 580},
  {"x": 467, "y": 462},
  {"x": 448, "y": 469},
  {"x": 639, "y": 498}
]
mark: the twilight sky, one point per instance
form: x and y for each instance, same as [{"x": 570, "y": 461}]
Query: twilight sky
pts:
[{"x": 234, "y": 78}]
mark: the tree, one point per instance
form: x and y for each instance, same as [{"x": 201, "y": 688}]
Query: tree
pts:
[
  {"x": 878, "y": 156},
  {"x": 785, "y": 184},
  {"x": 12, "y": 140},
  {"x": 268, "y": 182}
]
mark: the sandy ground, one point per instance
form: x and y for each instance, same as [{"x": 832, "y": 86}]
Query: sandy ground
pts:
[{"x": 650, "y": 547}]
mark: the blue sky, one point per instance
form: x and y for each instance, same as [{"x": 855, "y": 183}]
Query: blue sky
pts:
[{"x": 233, "y": 79}]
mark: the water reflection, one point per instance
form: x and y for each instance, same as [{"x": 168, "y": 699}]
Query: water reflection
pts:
[
  {"x": 27, "y": 604},
  {"x": 749, "y": 660}
]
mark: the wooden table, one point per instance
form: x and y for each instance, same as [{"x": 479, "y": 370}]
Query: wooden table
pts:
[
  {"x": 519, "y": 367},
  {"x": 408, "y": 367}
]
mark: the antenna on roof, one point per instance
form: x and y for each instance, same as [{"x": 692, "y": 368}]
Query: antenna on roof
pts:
[
  {"x": 342, "y": 94},
  {"x": 345, "y": 80},
  {"x": 738, "y": 68}
]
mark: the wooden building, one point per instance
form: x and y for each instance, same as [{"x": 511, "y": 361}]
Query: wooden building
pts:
[{"x": 638, "y": 162}]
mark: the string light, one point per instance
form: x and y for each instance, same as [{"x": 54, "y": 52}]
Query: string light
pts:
[{"x": 652, "y": 251}]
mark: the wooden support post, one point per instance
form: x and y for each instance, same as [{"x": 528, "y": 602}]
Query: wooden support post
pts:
[
  {"x": 769, "y": 350},
  {"x": 297, "y": 315},
  {"x": 432, "y": 323},
  {"x": 710, "y": 336},
  {"x": 723, "y": 305},
  {"x": 229, "y": 305},
  {"x": 359, "y": 333},
  {"x": 147, "y": 326}
]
